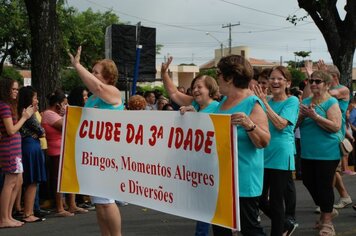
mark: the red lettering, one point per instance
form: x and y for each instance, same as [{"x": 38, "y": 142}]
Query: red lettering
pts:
[
  {"x": 199, "y": 140},
  {"x": 208, "y": 141},
  {"x": 82, "y": 132},
  {"x": 117, "y": 132},
  {"x": 108, "y": 133}
]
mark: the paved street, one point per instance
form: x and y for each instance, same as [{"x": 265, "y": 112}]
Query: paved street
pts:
[{"x": 140, "y": 221}]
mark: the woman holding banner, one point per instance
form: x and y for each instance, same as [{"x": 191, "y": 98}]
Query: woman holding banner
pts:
[
  {"x": 204, "y": 90},
  {"x": 101, "y": 82},
  {"x": 248, "y": 115}
]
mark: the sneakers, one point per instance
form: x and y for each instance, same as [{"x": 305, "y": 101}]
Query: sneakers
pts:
[
  {"x": 343, "y": 202},
  {"x": 354, "y": 207},
  {"x": 289, "y": 227},
  {"x": 317, "y": 210}
]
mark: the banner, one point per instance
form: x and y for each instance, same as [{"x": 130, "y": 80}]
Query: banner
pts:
[{"x": 185, "y": 165}]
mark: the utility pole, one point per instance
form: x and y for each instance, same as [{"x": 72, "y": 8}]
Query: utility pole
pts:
[{"x": 230, "y": 26}]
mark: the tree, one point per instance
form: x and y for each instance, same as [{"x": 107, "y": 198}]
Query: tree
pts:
[
  {"x": 43, "y": 22},
  {"x": 339, "y": 34},
  {"x": 14, "y": 32},
  {"x": 85, "y": 28}
]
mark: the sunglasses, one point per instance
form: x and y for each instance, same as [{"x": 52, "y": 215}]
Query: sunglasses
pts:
[{"x": 317, "y": 81}]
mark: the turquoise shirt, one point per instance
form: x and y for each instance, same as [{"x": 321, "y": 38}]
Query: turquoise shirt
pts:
[
  {"x": 343, "y": 107},
  {"x": 279, "y": 154},
  {"x": 317, "y": 143},
  {"x": 96, "y": 102},
  {"x": 250, "y": 158},
  {"x": 211, "y": 108}
]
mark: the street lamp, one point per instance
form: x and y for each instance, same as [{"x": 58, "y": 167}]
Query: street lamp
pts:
[{"x": 221, "y": 44}]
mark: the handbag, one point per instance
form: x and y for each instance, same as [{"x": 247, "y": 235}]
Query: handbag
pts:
[{"x": 345, "y": 147}]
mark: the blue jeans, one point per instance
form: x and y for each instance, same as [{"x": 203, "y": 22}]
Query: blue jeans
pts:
[{"x": 202, "y": 229}]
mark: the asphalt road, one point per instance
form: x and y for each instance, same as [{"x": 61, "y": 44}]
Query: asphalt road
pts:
[{"x": 141, "y": 221}]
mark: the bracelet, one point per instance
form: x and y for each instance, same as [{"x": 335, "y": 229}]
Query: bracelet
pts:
[{"x": 252, "y": 129}]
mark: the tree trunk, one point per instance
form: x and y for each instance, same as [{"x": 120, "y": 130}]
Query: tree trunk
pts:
[
  {"x": 339, "y": 34},
  {"x": 45, "y": 47}
]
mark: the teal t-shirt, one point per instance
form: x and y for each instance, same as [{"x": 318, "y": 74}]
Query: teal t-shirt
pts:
[
  {"x": 250, "y": 158},
  {"x": 96, "y": 102},
  {"x": 211, "y": 108},
  {"x": 279, "y": 154},
  {"x": 317, "y": 143},
  {"x": 343, "y": 107}
]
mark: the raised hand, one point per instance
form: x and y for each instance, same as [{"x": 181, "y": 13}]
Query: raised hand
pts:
[
  {"x": 322, "y": 65},
  {"x": 75, "y": 59},
  {"x": 259, "y": 92},
  {"x": 165, "y": 65},
  {"x": 28, "y": 112},
  {"x": 308, "y": 65}
]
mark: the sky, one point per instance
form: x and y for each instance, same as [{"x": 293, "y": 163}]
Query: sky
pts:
[{"x": 181, "y": 27}]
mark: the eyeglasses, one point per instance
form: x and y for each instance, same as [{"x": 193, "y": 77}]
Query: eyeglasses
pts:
[
  {"x": 317, "y": 81},
  {"x": 278, "y": 79}
]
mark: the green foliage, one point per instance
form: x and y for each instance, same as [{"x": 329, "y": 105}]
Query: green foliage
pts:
[
  {"x": 69, "y": 79},
  {"x": 14, "y": 33},
  {"x": 144, "y": 88},
  {"x": 302, "y": 54},
  {"x": 158, "y": 48},
  {"x": 294, "y": 19},
  {"x": 85, "y": 28},
  {"x": 12, "y": 73},
  {"x": 297, "y": 76},
  {"x": 210, "y": 72}
]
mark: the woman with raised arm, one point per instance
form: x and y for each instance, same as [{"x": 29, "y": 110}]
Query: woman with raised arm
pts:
[
  {"x": 101, "y": 82},
  {"x": 204, "y": 90}
]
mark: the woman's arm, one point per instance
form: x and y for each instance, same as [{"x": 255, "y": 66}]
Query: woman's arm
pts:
[
  {"x": 332, "y": 122},
  {"x": 58, "y": 124},
  {"x": 256, "y": 125},
  {"x": 178, "y": 97},
  {"x": 110, "y": 94},
  {"x": 12, "y": 128}
]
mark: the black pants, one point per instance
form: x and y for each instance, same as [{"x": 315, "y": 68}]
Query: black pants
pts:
[
  {"x": 290, "y": 199},
  {"x": 318, "y": 178},
  {"x": 272, "y": 200},
  {"x": 248, "y": 218}
]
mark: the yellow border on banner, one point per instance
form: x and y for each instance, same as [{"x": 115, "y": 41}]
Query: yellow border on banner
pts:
[
  {"x": 69, "y": 181},
  {"x": 225, "y": 203}
]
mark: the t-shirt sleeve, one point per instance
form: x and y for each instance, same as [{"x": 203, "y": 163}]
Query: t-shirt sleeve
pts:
[
  {"x": 290, "y": 110},
  {"x": 5, "y": 111},
  {"x": 51, "y": 118}
]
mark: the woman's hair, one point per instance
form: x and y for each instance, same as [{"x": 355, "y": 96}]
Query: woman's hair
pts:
[
  {"x": 237, "y": 69},
  {"x": 137, "y": 102},
  {"x": 210, "y": 84},
  {"x": 75, "y": 97},
  {"x": 56, "y": 97},
  {"x": 322, "y": 75},
  {"x": 25, "y": 97},
  {"x": 5, "y": 94},
  {"x": 284, "y": 71},
  {"x": 167, "y": 106},
  {"x": 265, "y": 73},
  {"x": 109, "y": 70}
]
